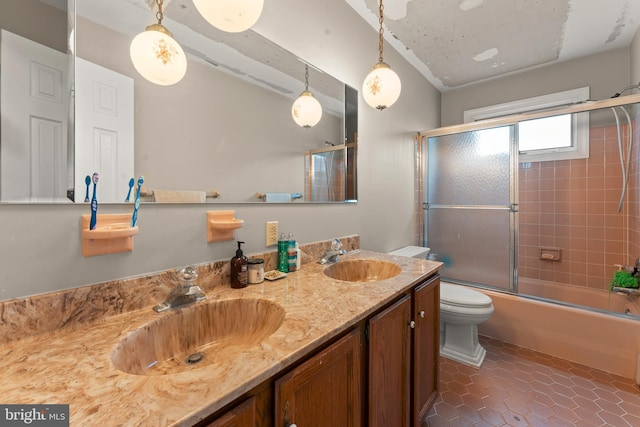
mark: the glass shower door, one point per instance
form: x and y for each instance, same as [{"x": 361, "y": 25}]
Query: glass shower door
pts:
[{"x": 470, "y": 210}]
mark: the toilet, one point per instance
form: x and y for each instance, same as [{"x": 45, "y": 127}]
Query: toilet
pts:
[{"x": 462, "y": 309}]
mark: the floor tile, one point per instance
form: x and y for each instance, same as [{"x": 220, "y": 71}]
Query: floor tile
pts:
[{"x": 520, "y": 387}]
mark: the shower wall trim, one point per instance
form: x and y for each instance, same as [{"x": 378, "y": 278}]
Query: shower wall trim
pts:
[{"x": 515, "y": 118}]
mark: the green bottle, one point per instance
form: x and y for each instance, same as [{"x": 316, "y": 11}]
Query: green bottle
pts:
[{"x": 283, "y": 254}]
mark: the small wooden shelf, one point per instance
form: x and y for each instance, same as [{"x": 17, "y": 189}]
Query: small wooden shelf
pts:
[
  {"x": 221, "y": 225},
  {"x": 113, "y": 234}
]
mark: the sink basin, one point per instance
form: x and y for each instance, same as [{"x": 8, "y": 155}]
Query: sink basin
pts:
[
  {"x": 363, "y": 270},
  {"x": 197, "y": 336}
]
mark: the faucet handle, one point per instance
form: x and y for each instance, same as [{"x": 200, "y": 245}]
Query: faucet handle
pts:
[
  {"x": 336, "y": 244},
  {"x": 188, "y": 274}
]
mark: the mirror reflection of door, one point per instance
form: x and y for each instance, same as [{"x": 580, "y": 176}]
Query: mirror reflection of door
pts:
[
  {"x": 104, "y": 131},
  {"x": 33, "y": 111}
]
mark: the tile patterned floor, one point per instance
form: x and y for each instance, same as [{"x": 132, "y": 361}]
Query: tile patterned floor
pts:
[{"x": 520, "y": 387}]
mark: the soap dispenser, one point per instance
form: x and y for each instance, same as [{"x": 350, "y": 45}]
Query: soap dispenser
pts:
[{"x": 239, "y": 269}]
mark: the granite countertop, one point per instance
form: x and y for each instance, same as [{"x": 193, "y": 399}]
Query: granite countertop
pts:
[{"x": 73, "y": 366}]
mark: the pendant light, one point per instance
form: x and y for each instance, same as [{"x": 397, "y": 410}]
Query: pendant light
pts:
[
  {"x": 232, "y": 16},
  {"x": 306, "y": 110},
  {"x": 381, "y": 87},
  {"x": 156, "y": 55}
]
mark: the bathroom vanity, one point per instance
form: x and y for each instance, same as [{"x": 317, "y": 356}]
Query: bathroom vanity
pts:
[
  {"x": 307, "y": 349},
  {"x": 383, "y": 370}
]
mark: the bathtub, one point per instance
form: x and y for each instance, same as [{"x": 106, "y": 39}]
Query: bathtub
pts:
[
  {"x": 599, "y": 340},
  {"x": 594, "y": 298}
]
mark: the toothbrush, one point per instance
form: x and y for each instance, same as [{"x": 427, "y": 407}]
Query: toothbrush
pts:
[
  {"x": 87, "y": 180},
  {"x": 94, "y": 202},
  {"x": 136, "y": 205},
  {"x": 131, "y": 182}
]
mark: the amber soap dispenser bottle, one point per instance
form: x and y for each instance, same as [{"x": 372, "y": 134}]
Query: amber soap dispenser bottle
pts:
[{"x": 239, "y": 265}]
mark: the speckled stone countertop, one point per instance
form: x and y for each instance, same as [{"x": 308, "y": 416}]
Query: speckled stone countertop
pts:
[{"x": 74, "y": 365}]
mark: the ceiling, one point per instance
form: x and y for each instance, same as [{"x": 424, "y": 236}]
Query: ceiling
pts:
[
  {"x": 246, "y": 55},
  {"x": 460, "y": 42},
  {"x": 454, "y": 43}
]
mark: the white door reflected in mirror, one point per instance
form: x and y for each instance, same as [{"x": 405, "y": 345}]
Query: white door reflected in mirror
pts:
[
  {"x": 104, "y": 131},
  {"x": 33, "y": 125}
]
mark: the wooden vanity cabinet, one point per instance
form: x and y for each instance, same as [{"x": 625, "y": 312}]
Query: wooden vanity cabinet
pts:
[
  {"x": 426, "y": 348},
  {"x": 243, "y": 414},
  {"x": 404, "y": 341},
  {"x": 255, "y": 411},
  {"x": 389, "y": 365},
  {"x": 326, "y": 390},
  {"x": 330, "y": 389}
]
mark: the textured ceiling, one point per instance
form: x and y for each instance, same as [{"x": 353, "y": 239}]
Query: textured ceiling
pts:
[
  {"x": 451, "y": 42},
  {"x": 458, "y": 42},
  {"x": 246, "y": 55}
]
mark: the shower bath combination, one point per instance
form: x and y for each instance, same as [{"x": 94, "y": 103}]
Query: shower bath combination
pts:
[
  {"x": 488, "y": 215},
  {"x": 326, "y": 172}
]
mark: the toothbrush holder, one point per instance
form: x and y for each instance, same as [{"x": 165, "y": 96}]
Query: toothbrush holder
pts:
[{"x": 112, "y": 234}]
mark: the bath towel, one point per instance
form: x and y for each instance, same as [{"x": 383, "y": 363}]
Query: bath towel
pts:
[{"x": 172, "y": 196}]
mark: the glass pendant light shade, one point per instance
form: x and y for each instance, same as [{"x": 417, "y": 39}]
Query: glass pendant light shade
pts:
[
  {"x": 306, "y": 110},
  {"x": 381, "y": 87},
  {"x": 231, "y": 16},
  {"x": 157, "y": 56}
]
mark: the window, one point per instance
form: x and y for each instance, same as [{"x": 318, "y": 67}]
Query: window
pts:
[{"x": 559, "y": 137}]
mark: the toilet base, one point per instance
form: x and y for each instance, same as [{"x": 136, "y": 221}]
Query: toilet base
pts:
[{"x": 460, "y": 343}]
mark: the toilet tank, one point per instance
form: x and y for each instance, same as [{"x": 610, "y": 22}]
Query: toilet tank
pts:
[{"x": 412, "y": 252}]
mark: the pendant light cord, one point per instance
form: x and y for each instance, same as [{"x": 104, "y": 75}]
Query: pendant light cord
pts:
[
  {"x": 306, "y": 77},
  {"x": 159, "y": 14},
  {"x": 381, "y": 32}
]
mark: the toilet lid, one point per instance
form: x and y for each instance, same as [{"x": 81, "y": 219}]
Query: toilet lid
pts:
[{"x": 462, "y": 296}]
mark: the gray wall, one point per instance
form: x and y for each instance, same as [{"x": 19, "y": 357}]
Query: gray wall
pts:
[
  {"x": 635, "y": 59},
  {"x": 14, "y": 14},
  {"x": 40, "y": 244},
  {"x": 605, "y": 73}
]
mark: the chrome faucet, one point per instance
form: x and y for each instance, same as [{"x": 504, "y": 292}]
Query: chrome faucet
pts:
[
  {"x": 186, "y": 292},
  {"x": 333, "y": 254}
]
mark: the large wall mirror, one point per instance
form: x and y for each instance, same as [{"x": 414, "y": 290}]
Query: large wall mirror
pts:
[{"x": 223, "y": 134}]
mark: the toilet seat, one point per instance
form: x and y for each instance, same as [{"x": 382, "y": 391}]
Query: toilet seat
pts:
[{"x": 461, "y": 296}]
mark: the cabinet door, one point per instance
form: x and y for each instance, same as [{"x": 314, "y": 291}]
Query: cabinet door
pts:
[
  {"x": 255, "y": 411},
  {"x": 324, "y": 391},
  {"x": 390, "y": 366},
  {"x": 243, "y": 415},
  {"x": 426, "y": 348}
]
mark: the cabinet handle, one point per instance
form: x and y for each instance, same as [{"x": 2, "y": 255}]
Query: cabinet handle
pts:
[
  {"x": 287, "y": 416},
  {"x": 412, "y": 324},
  {"x": 421, "y": 313}
]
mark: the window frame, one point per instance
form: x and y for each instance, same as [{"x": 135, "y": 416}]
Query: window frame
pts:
[{"x": 579, "y": 122}]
